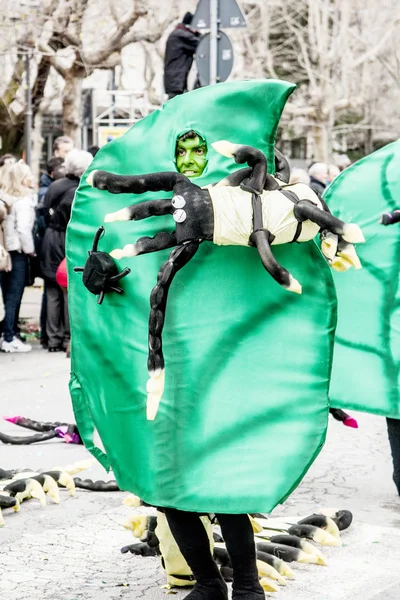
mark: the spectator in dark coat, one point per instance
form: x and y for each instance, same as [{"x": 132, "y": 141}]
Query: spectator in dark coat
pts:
[
  {"x": 59, "y": 200},
  {"x": 48, "y": 177},
  {"x": 179, "y": 52}
]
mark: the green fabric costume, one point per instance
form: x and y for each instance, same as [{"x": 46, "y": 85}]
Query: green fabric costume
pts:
[
  {"x": 245, "y": 406},
  {"x": 365, "y": 373}
]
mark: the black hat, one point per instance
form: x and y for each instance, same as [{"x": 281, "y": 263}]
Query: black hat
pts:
[{"x": 187, "y": 19}]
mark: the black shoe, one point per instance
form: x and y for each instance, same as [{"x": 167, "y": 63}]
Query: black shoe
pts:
[
  {"x": 56, "y": 349},
  {"x": 209, "y": 590}
]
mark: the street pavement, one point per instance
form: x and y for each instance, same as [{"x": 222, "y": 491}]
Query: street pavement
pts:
[{"x": 72, "y": 551}]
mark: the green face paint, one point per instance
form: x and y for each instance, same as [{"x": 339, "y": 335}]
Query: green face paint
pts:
[{"x": 191, "y": 156}]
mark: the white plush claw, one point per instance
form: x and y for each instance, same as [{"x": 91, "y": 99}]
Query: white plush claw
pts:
[
  {"x": 268, "y": 585},
  {"x": 128, "y": 251},
  {"x": 340, "y": 264},
  {"x": 120, "y": 215},
  {"x": 226, "y": 148},
  {"x": 349, "y": 253},
  {"x": 294, "y": 286},
  {"x": 329, "y": 245},
  {"x": 266, "y": 570},
  {"x": 90, "y": 178},
  {"x": 353, "y": 234},
  {"x": 118, "y": 253},
  {"x": 155, "y": 389},
  {"x": 132, "y": 501}
]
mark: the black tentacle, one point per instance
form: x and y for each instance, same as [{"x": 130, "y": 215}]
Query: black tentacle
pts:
[
  {"x": 34, "y": 425},
  {"x": 282, "y": 168},
  {"x": 136, "y": 184},
  {"x": 96, "y": 486},
  {"x": 258, "y": 162},
  {"x": 178, "y": 258},
  {"x": 30, "y": 439}
]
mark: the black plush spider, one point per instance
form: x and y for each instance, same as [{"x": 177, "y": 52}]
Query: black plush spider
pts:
[
  {"x": 100, "y": 273},
  {"x": 250, "y": 207}
]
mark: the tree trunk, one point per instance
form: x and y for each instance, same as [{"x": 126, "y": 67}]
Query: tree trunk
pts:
[
  {"x": 37, "y": 143},
  {"x": 321, "y": 141},
  {"x": 72, "y": 104}
]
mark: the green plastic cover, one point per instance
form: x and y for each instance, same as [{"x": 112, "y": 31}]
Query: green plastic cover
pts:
[
  {"x": 245, "y": 406},
  {"x": 365, "y": 374}
]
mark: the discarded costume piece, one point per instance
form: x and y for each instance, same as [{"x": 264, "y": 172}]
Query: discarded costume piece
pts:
[
  {"x": 66, "y": 431},
  {"x": 18, "y": 486},
  {"x": 275, "y": 543}
]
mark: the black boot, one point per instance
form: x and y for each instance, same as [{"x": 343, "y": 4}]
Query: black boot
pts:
[
  {"x": 239, "y": 539},
  {"x": 393, "y": 426},
  {"x": 193, "y": 542}
]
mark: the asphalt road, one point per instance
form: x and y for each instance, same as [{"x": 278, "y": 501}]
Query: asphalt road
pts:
[{"x": 72, "y": 551}]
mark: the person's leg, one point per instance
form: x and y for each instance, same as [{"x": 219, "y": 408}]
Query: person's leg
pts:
[
  {"x": 193, "y": 542},
  {"x": 14, "y": 293},
  {"x": 43, "y": 317},
  {"x": 393, "y": 426},
  {"x": 67, "y": 333},
  {"x": 54, "y": 325},
  {"x": 3, "y": 290},
  {"x": 239, "y": 540}
]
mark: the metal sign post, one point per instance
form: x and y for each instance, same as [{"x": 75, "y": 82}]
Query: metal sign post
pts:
[
  {"x": 28, "y": 111},
  {"x": 214, "y": 30},
  {"x": 214, "y": 55}
]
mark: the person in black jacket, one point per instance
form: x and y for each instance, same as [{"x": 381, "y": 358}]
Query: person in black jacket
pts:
[
  {"x": 179, "y": 52},
  {"x": 58, "y": 201}
]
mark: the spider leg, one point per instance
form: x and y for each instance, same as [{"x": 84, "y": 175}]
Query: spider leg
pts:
[
  {"x": 141, "y": 210},
  {"x": 178, "y": 258},
  {"x": 349, "y": 231},
  {"x": 261, "y": 239},
  {"x": 253, "y": 157},
  {"x": 134, "y": 184},
  {"x": 101, "y": 297},
  {"x": 282, "y": 168},
  {"x": 236, "y": 178},
  {"x": 29, "y": 439},
  {"x": 115, "y": 289},
  {"x": 99, "y": 234},
  {"x": 119, "y": 276},
  {"x": 145, "y": 245}
]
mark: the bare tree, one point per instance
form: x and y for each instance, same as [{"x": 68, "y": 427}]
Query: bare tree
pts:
[
  {"x": 75, "y": 37},
  {"x": 327, "y": 47}
]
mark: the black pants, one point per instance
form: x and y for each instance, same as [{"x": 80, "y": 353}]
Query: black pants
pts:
[
  {"x": 57, "y": 323},
  {"x": 193, "y": 542},
  {"x": 393, "y": 426},
  {"x": 13, "y": 285}
]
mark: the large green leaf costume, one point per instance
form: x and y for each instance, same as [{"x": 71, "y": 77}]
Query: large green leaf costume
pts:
[
  {"x": 366, "y": 364},
  {"x": 244, "y": 410}
]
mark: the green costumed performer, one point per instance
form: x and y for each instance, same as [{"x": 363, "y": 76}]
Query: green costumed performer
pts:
[
  {"x": 368, "y": 333},
  {"x": 235, "y": 409}
]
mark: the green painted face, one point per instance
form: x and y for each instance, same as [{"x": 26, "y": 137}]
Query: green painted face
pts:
[{"x": 191, "y": 156}]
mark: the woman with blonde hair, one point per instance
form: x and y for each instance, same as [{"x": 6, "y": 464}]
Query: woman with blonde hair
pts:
[{"x": 16, "y": 185}]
